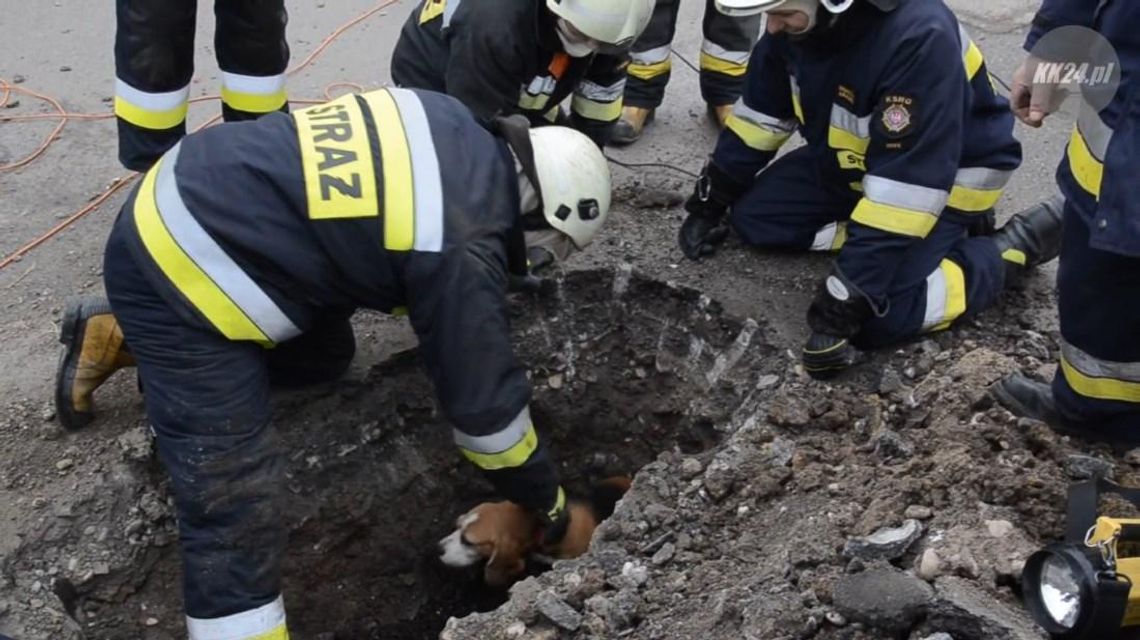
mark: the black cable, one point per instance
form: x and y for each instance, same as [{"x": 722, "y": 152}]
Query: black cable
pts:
[
  {"x": 662, "y": 165},
  {"x": 685, "y": 60}
]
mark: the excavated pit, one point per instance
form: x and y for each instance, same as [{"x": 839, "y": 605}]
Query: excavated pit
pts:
[{"x": 623, "y": 367}]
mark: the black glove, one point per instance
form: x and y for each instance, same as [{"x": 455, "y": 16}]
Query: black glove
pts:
[
  {"x": 839, "y": 309},
  {"x": 837, "y": 313},
  {"x": 699, "y": 236},
  {"x": 555, "y": 522},
  {"x": 713, "y": 195}
]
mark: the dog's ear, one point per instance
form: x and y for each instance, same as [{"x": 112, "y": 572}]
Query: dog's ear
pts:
[{"x": 506, "y": 563}]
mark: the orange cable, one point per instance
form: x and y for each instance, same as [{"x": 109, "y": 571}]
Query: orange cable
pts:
[{"x": 6, "y": 90}]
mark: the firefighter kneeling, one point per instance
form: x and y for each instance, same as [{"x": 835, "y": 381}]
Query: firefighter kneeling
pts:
[
  {"x": 235, "y": 265},
  {"x": 907, "y": 153}
]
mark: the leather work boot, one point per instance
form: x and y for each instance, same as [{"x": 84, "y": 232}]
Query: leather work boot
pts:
[
  {"x": 1027, "y": 398},
  {"x": 93, "y": 350},
  {"x": 1031, "y": 237},
  {"x": 632, "y": 122},
  {"x": 719, "y": 114}
]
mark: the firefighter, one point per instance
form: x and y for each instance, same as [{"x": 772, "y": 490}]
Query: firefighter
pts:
[
  {"x": 1096, "y": 391},
  {"x": 236, "y": 264},
  {"x": 154, "y": 61},
  {"x": 525, "y": 56},
  {"x": 908, "y": 150},
  {"x": 728, "y": 39}
]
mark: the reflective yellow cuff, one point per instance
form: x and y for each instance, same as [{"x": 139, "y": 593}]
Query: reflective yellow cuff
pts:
[
  {"x": 1099, "y": 388},
  {"x": 533, "y": 103},
  {"x": 973, "y": 200},
  {"x": 254, "y": 102},
  {"x": 755, "y": 136},
  {"x": 712, "y": 63},
  {"x": 1087, "y": 170},
  {"x": 973, "y": 60},
  {"x": 602, "y": 111},
  {"x": 432, "y": 9},
  {"x": 907, "y": 222},
  {"x": 650, "y": 71},
  {"x": 841, "y": 139},
  {"x": 155, "y": 120},
  {"x": 516, "y": 456}
]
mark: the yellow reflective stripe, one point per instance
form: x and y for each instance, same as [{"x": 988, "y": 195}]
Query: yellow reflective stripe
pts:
[
  {"x": 907, "y": 222},
  {"x": 798, "y": 107},
  {"x": 533, "y": 102},
  {"x": 955, "y": 293},
  {"x": 396, "y": 161},
  {"x": 336, "y": 160},
  {"x": 973, "y": 60},
  {"x": 973, "y": 200},
  {"x": 1099, "y": 388},
  {"x": 1016, "y": 256},
  {"x": 841, "y": 139},
  {"x": 254, "y": 102},
  {"x": 559, "y": 505},
  {"x": 710, "y": 62},
  {"x": 604, "y": 111},
  {"x": 184, "y": 273},
  {"x": 156, "y": 120},
  {"x": 432, "y": 9},
  {"x": 279, "y": 633},
  {"x": 650, "y": 71},
  {"x": 515, "y": 456},
  {"x": 1087, "y": 170},
  {"x": 754, "y": 135}
]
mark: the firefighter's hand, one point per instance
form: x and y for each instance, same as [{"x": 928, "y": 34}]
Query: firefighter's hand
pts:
[
  {"x": 1032, "y": 101},
  {"x": 826, "y": 356},
  {"x": 700, "y": 235}
]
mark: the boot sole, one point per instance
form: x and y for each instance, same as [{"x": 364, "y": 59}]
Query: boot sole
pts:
[{"x": 71, "y": 337}]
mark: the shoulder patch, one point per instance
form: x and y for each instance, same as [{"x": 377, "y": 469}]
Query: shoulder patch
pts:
[{"x": 898, "y": 115}]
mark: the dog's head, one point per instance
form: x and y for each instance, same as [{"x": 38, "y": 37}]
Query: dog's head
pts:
[{"x": 502, "y": 533}]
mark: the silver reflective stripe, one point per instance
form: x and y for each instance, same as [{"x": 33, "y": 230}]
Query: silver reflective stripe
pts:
[
  {"x": 935, "y": 299},
  {"x": 541, "y": 85},
  {"x": 843, "y": 119},
  {"x": 254, "y": 85},
  {"x": 246, "y": 624},
  {"x": 906, "y": 196},
  {"x": 449, "y": 12},
  {"x": 964, "y": 36},
  {"x": 652, "y": 56},
  {"x": 212, "y": 259},
  {"x": 152, "y": 101},
  {"x": 717, "y": 51},
  {"x": 825, "y": 237},
  {"x": 1096, "y": 133},
  {"x": 1096, "y": 368},
  {"x": 428, "y": 187},
  {"x": 500, "y": 441},
  {"x": 763, "y": 120},
  {"x": 599, "y": 93},
  {"x": 982, "y": 178}
]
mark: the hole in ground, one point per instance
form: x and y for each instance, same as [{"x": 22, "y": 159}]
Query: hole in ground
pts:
[{"x": 623, "y": 369}]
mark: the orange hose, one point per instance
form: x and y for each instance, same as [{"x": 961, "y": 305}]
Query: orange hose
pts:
[{"x": 7, "y": 89}]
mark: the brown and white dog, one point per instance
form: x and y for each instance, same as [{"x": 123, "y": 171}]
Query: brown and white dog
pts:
[{"x": 506, "y": 535}]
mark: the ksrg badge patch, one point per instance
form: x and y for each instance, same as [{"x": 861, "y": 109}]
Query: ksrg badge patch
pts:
[{"x": 899, "y": 116}]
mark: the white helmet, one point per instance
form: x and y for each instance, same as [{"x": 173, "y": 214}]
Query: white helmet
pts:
[
  {"x": 573, "y": 181},
  {"x": 752, "y": 7},
  {"x": 613, "y": 24}
]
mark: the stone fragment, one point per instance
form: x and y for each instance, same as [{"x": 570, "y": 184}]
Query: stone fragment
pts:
[
  {"x": 963, "y": 610},
  {"x": 882, "y": 597},
  {"x": 1081, "y": 467},
  {"x": 558, "y": 612},
  {"x": 884, "y": 544}
]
